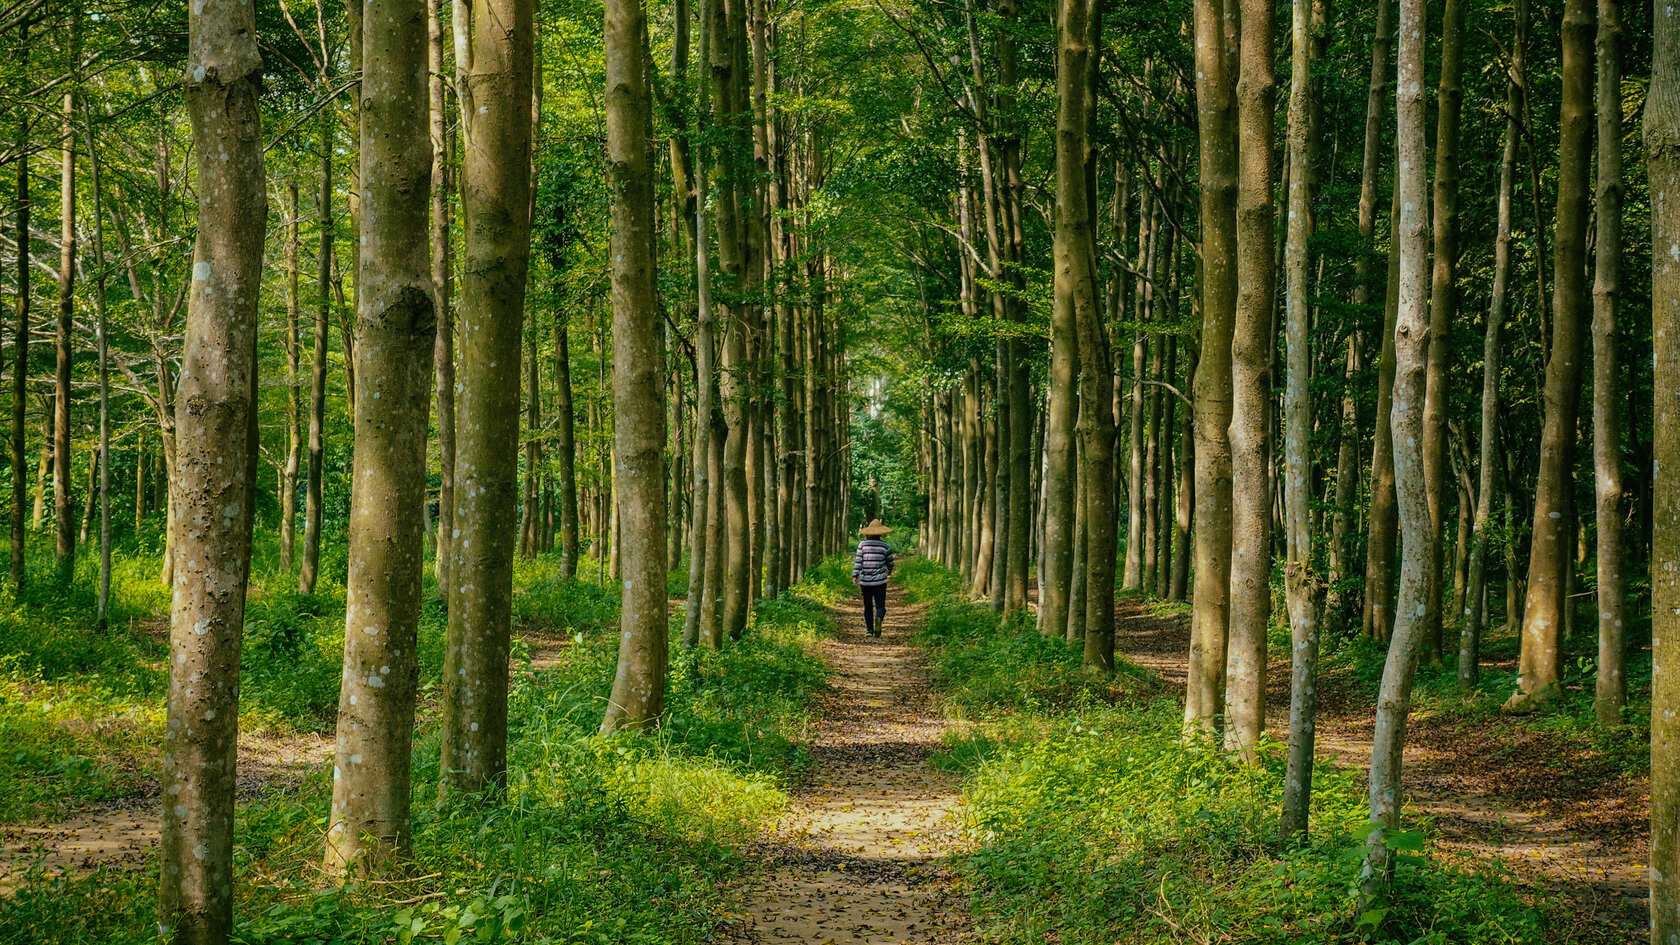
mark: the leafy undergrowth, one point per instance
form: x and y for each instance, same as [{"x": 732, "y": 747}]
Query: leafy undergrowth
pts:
[
  {"x": 622, "y": 839},
  {"x": 1094, "y": 821}
]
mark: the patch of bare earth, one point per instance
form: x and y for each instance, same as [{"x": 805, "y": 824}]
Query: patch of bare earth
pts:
[
  {"x": 1560, "y": 818},
  {"x": 121, "y": 833},
  {"x": 859, "y": 859}
]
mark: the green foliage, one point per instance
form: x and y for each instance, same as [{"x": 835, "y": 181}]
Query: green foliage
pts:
[
  {"x": 1111, "y": 825},
  {"x": 622, "y": 839},
  {"x": 982, "y": 664},
  {"x": 925, "y": 579}
]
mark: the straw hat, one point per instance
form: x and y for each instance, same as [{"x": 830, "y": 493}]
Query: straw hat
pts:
[{"x": 874, "y": 529}]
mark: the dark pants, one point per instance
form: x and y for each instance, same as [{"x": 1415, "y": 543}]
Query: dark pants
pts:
[{"x": 874, "y": 607}]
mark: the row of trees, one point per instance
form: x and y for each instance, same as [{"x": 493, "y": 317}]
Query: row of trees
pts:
[{"x": 1277, "y": 406}]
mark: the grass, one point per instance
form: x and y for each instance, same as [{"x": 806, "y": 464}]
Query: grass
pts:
[
  {"x": 625, "y": 839},
  {"x": 1094, "y": 820}
]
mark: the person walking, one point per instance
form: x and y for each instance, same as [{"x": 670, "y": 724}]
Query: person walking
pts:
[{"x": 872, "y": 564}]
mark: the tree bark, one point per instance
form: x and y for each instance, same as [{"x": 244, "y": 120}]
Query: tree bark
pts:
[
  {"x": 309, "y": 571},
  {"x": 638, "y": 692},
  {"x": 1411, "y": 346},
  {"x": 1382, "y": 539},
  {"x": 1550, "y": 560},
  {"x": 294, "y": 406},
  {"x": 565, "y": 446},
  {"x": 1300, "y": 584},
  {"x": 494, "y": 61},
  {"x": 1251, "y": 358},
  {"x": 1662, "y": 158},
  {"x": 64, "y": 505},
  {"x": 1611, "y": 687},
  {"x": 1443, "y": 301},
  {"x": 212, "y": 483},
  {"x": 396, "y": 339},
  {"x": 443, "y": 288},
  {"x": 20, "y": 346},
  {"x": 1216, "y": 115}
]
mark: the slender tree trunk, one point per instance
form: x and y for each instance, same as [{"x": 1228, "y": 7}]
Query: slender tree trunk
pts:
[
  {"x": 1662, "y": 156},
  {"x": 396, "y": 340},
  {"x": 494, "y": 62},
  {"x": 294, "y": 407},
  {"x": 1470, "y": 635},
  {"x": 1607, "y": 432},
  {"x": 1443, "y": 301},
  {"x": 20, "y": 345},
  {"x": 64, "y": 507},
  {"x": 309, "y": 572},
  {"x": 1382, "y": 539},
  {"x": 1549, "y": 562},
  {"x": 638, "y": 692},
  {"x": 443, "y": 288},
  {"x": 565, "y": 447},
  {"x": 1251, "y": 358},
  {"x": 213, "y": 477},
  {"x": 1411, "y": 348},
  {"x": 1216, "y": 115},
  {"x": 1300, "y": 585}
]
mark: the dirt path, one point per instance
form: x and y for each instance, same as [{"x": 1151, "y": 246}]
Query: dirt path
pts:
[
  {"x": 121, "y": 833},
  {"x": 1561, "y": 819},
  {"x": 858, "y": 860}
]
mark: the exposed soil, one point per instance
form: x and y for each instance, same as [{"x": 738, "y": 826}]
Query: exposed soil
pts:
[
  {"x": 860, "y": 857},
  {"x": 1565, "y": 823}
]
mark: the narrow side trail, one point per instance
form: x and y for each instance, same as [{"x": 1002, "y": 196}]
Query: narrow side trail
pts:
[{"x": 858, "y": 859}]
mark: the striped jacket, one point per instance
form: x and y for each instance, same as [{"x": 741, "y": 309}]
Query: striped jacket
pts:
[{"x": 872, "y": 562}]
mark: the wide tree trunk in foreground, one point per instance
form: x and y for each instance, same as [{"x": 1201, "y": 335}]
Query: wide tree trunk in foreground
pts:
[
  {"x": 1551, "y": 557},
  {"x": 396, "y": 338},
  {"x": 212, "y": 484},
  {"x": 1607, "y": 428},
  {"x": 1210, "y": 597},
  {"x": 1662, "y": 150},
  {"x": 494, "y": 61},
  {"x": 638, "y": 692},
  {"x": 1411, "y": 347},
  {"x": 1300, "y": 584},
  {"x": 1251, "y": 357}
]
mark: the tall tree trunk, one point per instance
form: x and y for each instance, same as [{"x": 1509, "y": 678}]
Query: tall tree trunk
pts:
[
  {"x": 1384, "y": 517},
  {"x": 1662, "y": 156},
  {"x": 20, "y": 345},
  {"x": 101, "y": 339},
  {"x": 1073, "y": 238},
  {"x": 1216, "y": 119},
  {"x": 294, "y": 407},
  {"x": 64, "y": 507},
  {"x": 1347, "y": 473},
  {"x": 565, "y": 447},
  {"x": 1411, "y": 346},
  {"x": 1549, "y": 561},
  {"x": 1611, "y": 689},
  {"x": 1300, "y": 586},
  {"x": 213, "y": 477},
  {"x": 494, "y": 62},
  {"x": 396, "y": 340},
  {"x": 1251, "y": 358},
  {"x": 309, "y": 572},
  {"x": 443, "y": 287},
  {"x": 638, "y": 692},
  {"x": 1443, "y": 302},
  {"x": 1470, "y": 635}
]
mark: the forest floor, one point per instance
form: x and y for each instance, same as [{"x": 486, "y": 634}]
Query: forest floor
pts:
[
  {"x": 859, "y": 858},
  {"x": 1558, "y": 815},
  {"x": 121, "y": 833}
]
